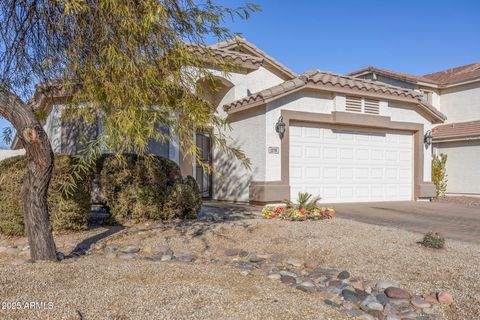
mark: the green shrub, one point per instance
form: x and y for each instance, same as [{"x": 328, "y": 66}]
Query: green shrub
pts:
[
  {"x": 439, "y": 173},
  {"x": 66, "y": 212},
  {"x": 183, "y": 200},
  {"x": 143, "y": 188},
  {"x": 433, "y": 240}
]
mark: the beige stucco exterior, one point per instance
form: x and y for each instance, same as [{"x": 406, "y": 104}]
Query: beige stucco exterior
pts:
[
  {"x": 461, "y": 103},
  {"x": 463, "y": 166},
  {"x": 231, "y": 180}
]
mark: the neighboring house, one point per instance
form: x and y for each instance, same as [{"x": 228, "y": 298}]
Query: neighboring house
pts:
[
  {"x": 456, "y": 93},
  {"x": 343, "y": 138}
]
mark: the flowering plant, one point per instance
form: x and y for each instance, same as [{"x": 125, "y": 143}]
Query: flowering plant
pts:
[
  {"x": 305, "y": 209},
  {"x": 284, "y": 213}
]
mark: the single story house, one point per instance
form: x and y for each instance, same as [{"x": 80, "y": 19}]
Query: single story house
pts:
[
  {"x": 341, "y": 137},
  {"x": 456, "y": 93}
]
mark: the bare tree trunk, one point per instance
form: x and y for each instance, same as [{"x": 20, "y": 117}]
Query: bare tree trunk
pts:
[{"x": 39, "y": 171}]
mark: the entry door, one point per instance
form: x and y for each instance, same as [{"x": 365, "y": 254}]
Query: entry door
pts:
[
  {"x": 204, "y": 179},
  {"x": 351, "y": 165}
]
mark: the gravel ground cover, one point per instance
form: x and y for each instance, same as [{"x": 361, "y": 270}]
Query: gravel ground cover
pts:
[
  {"x": 99, "y": 288},
  {"x": 132, "y": 289},
  {"x": 460, "y": 200}
]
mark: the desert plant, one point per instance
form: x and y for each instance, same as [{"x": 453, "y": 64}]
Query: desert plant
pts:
[
  {"x": 67, "y": 211},
  {"x": 433, "y": 240},
  {"x": 304, "y": 201},
  {"x": 439, "y": 173},
  {"x": 138, "y": 188},
  {"x": 183, "y": 200}
]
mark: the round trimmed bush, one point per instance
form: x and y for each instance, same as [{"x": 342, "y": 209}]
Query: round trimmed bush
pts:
[
  {"x": 67, "y": 212},
  {"x": 183, "y": 200},
  {"x": 146, "y": 188}
]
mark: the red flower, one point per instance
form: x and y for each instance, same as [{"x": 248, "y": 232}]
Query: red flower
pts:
[{"x": 278, "y": 210}]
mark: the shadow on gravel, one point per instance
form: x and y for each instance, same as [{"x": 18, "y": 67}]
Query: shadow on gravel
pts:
[
  {"x": 85, "y": 245},
  {"x": 212, "y": 214},
  {"x": 224, "y": 211}
]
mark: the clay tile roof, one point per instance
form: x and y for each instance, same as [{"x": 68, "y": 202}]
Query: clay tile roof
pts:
[
  {"x": 454, "y": 75},
  {"x": 237, "y": 42},
  {"x": 399, "y": 75},
  {"x": 441, "y": 78},
  {"x": 330, "y": 81},
  {"x": 457, "y": 130},
  {"x": 243, "y": 59}
]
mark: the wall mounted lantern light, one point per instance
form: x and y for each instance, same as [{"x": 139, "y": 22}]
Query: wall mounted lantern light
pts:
[
  {"x": 280, "y": 127},
  {"x": 427, "y": 138}
]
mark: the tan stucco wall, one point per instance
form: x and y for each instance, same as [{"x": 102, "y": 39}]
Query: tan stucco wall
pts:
[
  {"x": 463, "y": 166},
  {"x": 407, "y": 113},
  {"x": 461, "y": 103},
  {"x": 231, "y": 180}
]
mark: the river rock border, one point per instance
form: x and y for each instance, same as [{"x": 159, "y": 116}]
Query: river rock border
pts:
[{"x": 355, "y": 297}]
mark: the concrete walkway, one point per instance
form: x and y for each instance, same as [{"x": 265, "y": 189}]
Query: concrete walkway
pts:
[{"x": 452, "y": 220}]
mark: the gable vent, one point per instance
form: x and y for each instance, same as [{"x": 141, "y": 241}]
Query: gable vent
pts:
[
  {"x": 372, "y": 106},
  {"x": 353, "y": 104},
  {"x": 359, "y": 104}
]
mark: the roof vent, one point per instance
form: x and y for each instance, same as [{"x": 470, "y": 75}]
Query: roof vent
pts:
[
  {"x": 353, "y": 104},
  {"x": 359, "y": 104}
]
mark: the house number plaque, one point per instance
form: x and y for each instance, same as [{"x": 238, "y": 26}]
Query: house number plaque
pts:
[{"x": 274, "y": 150}]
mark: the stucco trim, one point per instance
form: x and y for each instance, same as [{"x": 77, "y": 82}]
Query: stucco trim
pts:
[
  {"x": 421, "y": 189},
  {"x": 426, "y": 190},
  {"x": 268, "y": 191}
]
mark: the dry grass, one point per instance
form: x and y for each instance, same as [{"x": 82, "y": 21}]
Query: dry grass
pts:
[{"x": 102, "y": 288}]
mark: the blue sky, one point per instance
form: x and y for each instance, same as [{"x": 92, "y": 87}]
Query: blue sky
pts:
[{"x": 415, "y": 37}]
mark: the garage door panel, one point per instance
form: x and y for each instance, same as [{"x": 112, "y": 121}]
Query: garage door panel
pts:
[
  {"x": 312, "y": 132},
  {"x": 295, "y": 131},
  {"x": 312, "y": 172},
  {"x": 330, "y": 173},
  {"x": 361, "y": 174},
  {"x": 377, "y": 154},
  {"x": 349, "y": 165},
  {"x": 313, "y": 152},
  {"x": 404, "y": 156},
  {"x": 362, "y": 155},
  {"x": 330, "y": 153}
]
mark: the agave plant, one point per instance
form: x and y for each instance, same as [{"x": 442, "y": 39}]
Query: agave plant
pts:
[{"x": 304, "y": 201}]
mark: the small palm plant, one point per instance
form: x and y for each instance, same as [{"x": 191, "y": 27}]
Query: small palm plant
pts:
[{"x": 304, "y": 201}]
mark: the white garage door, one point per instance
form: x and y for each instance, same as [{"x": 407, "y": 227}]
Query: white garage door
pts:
[{"x": 350, "y": 165}]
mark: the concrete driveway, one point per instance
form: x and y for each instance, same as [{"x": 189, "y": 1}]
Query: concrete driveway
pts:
[{"x": 452, "y": 220}]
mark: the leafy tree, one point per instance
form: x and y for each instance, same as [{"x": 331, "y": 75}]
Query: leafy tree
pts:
[
  {"x": 439, "y": 173},
  {"x": 132, "y": 64}
]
